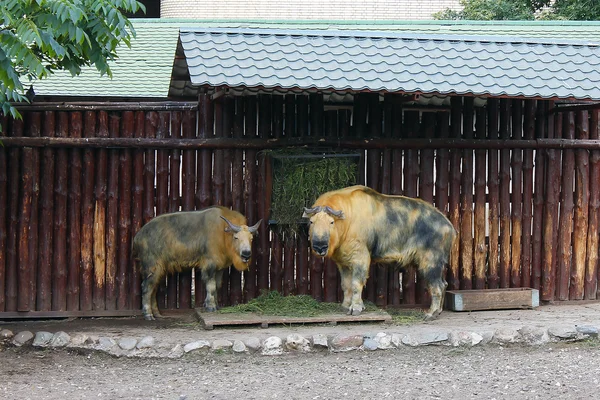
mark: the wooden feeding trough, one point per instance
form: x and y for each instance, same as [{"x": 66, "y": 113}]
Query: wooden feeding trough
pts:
[
  {"x": 210, "y": 320},
  {"x": 492, "y": 299}
]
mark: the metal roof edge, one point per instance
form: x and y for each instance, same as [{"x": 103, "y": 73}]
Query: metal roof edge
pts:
[{"x": 374, "y": 34}]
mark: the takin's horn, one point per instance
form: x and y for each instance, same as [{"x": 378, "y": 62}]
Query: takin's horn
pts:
[
  {"x": 334, "y": 213},
  {"x": 254, "y": 227},
  {"x": 311, "y": 211},
  {"x": 232, "y": 226}
]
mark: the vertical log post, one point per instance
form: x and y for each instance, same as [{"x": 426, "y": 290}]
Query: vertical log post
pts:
[
  {"x": 125, "y": 262},
  {"x": 87, "y": 210},
  {"x": 466, "y": 203},
  {"x": 35, "y": 128},
  {"x": 276, "y": 268},
  {"x": 302, "y": 252},
  {"x": 529, "y": 134},
  {"x": 505, "y": 133},
  {"x": 250, "y": 195},
  {"x": 174, "y": 199},
  {"x": 411, "y": 176},
  {"x": 74, "y": 204},
  {"x": 237, "y": 188},
  {"x": 59, "y": 276},
  {"x": 137, "y": 219},
  {"x": 454, "y": 198},
  {"x": 479, "y": 245},
  {"x": 582, "y": 199},
  {"x": 566, "y": 210},
  {"x": 493, "y": 277},
  {"x": 227, "y": 113},
  {"x": 289, "y": 251},
  {"x": 203, "y": 175},
  {"x": 3, "y": 215},
  {"x": 262, "y": 256},
  {"x": 547, "y": 280},
  {"x": 316, "y": 130},
  {"x": 591, "y": 267},
  {"x": 517, "y": 195},
  {"x": 14, "y": 181},
  {"x": 150, "y": 123},
  {"x": 539, "y": 194},
  {"x": 24, "y": 272},
  {"x": 112, "y": 216}
]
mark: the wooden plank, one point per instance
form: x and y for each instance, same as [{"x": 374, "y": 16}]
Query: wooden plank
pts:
[
  {"x": 250, "y": 194},
  {"x": 454, "y": 197},
  {"x": 505, "y": 133},
  {"x": 188, "y": 192},
  {"x": 4, "y": 316},
  {"x": 24, "y": 271},
  {"x": 591, "y": 269},
  {"x": 493, "y": 278},
  {"x": 211, "y": 320},
  {"x": 14, "y": 181},
  {"x": 112, "y": 216},
  {"x": 466, "y": 200},
  {"x": 137, "y": 203},
  {"x": 87, "y": 214},
  {"x": 542, "y": 131},
  {"x": 491, "y": 299},
  {"x": 3, "y": 205},
  {"x": 528, "y": 133},
  {"x": 517, "y": 195},
  {"x": 479, "y": 245},
  {"x": 99, "y": 234}
]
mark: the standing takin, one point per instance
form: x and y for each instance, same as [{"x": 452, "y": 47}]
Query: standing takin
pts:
[
  {"x": 357, "y": 225},
  {"x": 211, "y": 239}
]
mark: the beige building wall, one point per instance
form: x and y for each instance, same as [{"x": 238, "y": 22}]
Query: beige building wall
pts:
[{"x": 305, "y": 9}]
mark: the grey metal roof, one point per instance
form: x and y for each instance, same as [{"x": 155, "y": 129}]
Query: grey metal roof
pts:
[{"x": 393, "y": 62}]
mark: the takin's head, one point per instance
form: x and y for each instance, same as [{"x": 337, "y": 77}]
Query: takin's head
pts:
[
  {"x": 321, "y": 232},
  {"x": 242, "y": 238}
]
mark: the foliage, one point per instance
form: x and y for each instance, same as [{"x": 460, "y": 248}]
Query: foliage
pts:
[
  {"x": 299, "y": 177},
  {"x": 273, "y": 303},
  {"x": 405, "y": 317},
  {"x": 38, "y": 37},
  {"x": 488, "y": 10}
]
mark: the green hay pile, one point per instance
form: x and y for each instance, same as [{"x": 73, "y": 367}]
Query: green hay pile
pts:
[
  {"x": 273, "y": 303},
  {"x": 299, "y": 177},
  {"x": 405, "y": 317}
]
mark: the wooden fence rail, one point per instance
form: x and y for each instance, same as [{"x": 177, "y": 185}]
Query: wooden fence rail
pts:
[{"x": 521, "y": 185}]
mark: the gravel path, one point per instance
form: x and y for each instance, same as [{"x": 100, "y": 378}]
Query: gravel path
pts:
[{"x": 551, "y": 371}]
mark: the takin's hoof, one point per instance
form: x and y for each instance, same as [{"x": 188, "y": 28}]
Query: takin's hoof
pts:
[
  {"x": 355, "y": 311},
  {"x": 431, "y": 316},
  {"x": 149, "y": 317},
  {"x": 210, "y": 308}
]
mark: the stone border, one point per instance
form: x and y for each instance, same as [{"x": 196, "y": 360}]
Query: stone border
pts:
[{"x": 295, "y": 343}]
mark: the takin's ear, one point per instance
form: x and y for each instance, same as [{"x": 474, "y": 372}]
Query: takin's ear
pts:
[{"x": 305, "y": 215}]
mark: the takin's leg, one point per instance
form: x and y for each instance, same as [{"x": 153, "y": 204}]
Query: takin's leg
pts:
[
  {"x": 151, "y": 276},
  {"x": 346, "y": 281},
  {"x": 433, "y": 275},
  {"x": 155, "y": 310},
  {"x": 209, "y": 274},
  {"x": 360, "y": 273}
]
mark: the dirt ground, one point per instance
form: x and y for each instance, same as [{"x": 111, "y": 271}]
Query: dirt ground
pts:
[{"x": 492, "y": 372}]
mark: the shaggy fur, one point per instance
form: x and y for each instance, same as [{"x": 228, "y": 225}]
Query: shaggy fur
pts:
[{"x": 357, "y": 225}]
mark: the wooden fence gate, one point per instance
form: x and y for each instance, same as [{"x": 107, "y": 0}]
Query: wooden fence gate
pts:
[{"x": 519, "y": 179}]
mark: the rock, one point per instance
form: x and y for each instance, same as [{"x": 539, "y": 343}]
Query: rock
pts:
[
  {"x": 506, "y": 335},
  {"x": 239, "y": 346},
  {"x": 145, "y": 342},
  {"x": 127, "y": 343},
  {"x": 320, "y": 341},
  {"x": 252, "y": 343},
  {"x": 563, "y": 332},
  {"x": 346, "y": 343},
  {"x": 176, "y": 352},
  {"x": 297, "y": 342},
  {"x": 60, "y": 339},
  {"x": 106, "y": 343},
  {"x": 221, "y": 344},
  {"x": 42, "y": 339},
  {"x": 272, "y": 346},
  {"x": 198, "y": 344},
  {"x": 22, "y": 338},
  {"x": 384, "y": 341},
  {"x": 397, "y": 339},
  {"x": 487, "y": 336},
  {"x": 534, "y": 335},
  {"x": 370, "y": 344},
  {"x": 6, "y": 334},
  {"x": 464, "y": 339},
  {"x": 425, "y": 339},
  {"x": 588, "y": 330},
  {"x": 80, "y": 340}
]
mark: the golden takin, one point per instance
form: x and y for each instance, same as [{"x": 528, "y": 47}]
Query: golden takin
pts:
[
  {"x": 211, "y": 239},
  {"x": 357, "y": 225}
]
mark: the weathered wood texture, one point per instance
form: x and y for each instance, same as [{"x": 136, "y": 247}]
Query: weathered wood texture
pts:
[{"x": 518, "y": 183}]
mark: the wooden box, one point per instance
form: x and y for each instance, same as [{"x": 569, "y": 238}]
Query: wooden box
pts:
[{"x": 491, "y": 299}]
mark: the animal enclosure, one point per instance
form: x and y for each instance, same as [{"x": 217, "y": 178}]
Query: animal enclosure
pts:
[{"x": 519, "y": 179}]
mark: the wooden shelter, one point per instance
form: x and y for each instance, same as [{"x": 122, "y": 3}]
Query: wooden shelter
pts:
[{"x": 500, "y": 132}]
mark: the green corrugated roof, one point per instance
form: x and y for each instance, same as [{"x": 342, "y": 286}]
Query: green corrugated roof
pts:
[{"x": 144, "y": 70}]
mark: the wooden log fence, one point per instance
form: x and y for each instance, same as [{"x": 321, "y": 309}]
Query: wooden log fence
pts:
[{"x": 78, "y": 181}]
